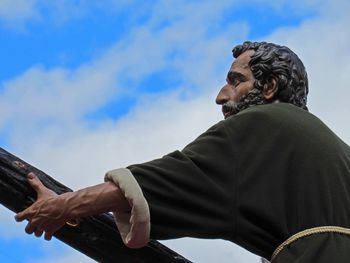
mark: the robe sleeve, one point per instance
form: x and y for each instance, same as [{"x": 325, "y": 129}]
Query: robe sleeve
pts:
[
  {"x": 133, "y": 225},
  {"x": 192, "y": 193}
]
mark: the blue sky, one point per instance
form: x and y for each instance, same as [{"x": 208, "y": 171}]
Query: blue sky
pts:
[{"x": 100, "y": 80}]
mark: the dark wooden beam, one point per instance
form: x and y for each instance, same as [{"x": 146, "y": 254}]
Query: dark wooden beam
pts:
[{"x": 96, "y": 236}]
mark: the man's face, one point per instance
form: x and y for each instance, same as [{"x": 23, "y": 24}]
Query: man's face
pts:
[{"x": 239, "y": 82}]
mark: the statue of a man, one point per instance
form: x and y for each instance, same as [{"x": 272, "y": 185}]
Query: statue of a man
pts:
[{"x": 271, "y": 177}]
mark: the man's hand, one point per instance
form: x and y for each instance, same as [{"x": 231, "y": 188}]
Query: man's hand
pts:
[
  {"x": 51, "y": 211},
  {"x": 47, "y": 214}
]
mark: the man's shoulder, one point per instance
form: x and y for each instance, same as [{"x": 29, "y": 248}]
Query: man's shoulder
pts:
[
  {"x": 274, "y": 108},
  {"x": 274, "y": 114},
  {"x": 269, "y": 111}
]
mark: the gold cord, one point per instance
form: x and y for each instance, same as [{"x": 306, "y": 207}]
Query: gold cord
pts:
[{"x": 308, "y": 232}]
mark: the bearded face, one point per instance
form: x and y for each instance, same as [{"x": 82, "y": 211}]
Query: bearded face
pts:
[{"x": 241, "y": 90}]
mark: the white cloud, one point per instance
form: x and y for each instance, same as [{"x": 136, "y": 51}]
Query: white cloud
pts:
[
  {"x": 13, "y": 13},
  {"x": 63, "y": 11},
  {"x": 60, "y": 98},
  {"x": 297, "y": 7},
  {"x": 17, "y": 13},
  {"x": 57, "y": 94}
]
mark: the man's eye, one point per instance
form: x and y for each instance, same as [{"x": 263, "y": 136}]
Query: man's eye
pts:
[{"x": 236, "y": 83}]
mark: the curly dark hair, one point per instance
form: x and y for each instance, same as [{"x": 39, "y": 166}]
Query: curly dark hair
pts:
[{"x": 278, "y": 62}]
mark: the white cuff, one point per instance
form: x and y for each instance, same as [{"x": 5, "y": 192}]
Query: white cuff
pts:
[{"x": 134, "y": 226}]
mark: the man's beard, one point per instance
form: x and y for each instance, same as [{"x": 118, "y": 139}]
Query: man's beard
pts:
[{"x": 253, "y": 97}]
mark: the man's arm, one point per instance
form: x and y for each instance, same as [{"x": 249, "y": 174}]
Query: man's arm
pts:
[{"x": 51, "y": 211}]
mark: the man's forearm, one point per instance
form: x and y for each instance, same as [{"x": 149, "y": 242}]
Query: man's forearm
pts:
[
  {"x": 101, "y": 198},
  {"x": 119, "y": 194}
]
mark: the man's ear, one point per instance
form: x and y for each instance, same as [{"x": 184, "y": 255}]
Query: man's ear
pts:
[{"x": 270, "y": 89}]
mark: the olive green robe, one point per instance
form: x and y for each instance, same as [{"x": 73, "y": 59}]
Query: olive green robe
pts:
[{"x": 255, "y": 179}]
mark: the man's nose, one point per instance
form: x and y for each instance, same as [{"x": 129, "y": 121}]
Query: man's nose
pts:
[{"x": 223, "y": 96}]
